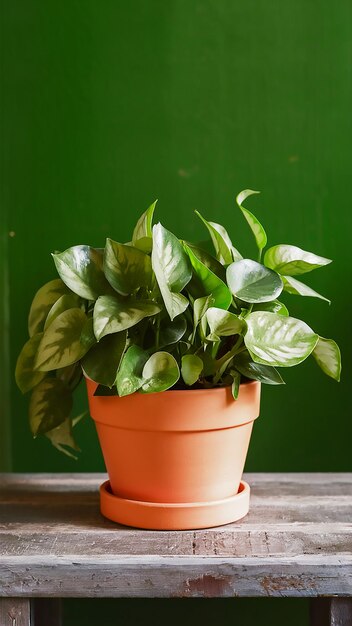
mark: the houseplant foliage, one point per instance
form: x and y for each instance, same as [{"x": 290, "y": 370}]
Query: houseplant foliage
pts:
[{"x": 158, "y": 313}]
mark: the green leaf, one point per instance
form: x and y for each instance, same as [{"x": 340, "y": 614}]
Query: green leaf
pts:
[
  {"x": 61, "y": 343},
  {"x": 276, "y": 340},
  {"x": 81, "y": 269},
  {"x": 172, "y": 331},
  {"x": 223, "y": 323},
  {"x": 160, "y": 372},
  {"x": 65, "y": 302},
  {"x": 200, "y": 307},
  {"x": 172, "y": 269},
  {"x": 296, "y": 288},
  {"x": 49, "y": 406},
  {"x": 206, "y": 283},
  {"x": 26, "y": 376},
  {"x": 103, "y": 360},
  {"x": 191, "y": 368},
  {"x": 208, "y": 260},
  {"x": 291, "y": 261},
  {"x": 225, "y": 251},
  {"x": 236, "y": 381},
  {"x": 76, "y": 420},
  {"x": 328, "y": 356},
  {"x": 256, "y": 227},
  {"x": 210, "y": 365},
  {"x": 42, "y": 303},
  {"x": 252, "y": 282},
  {"x": 274, "y": 307},
  {"x": 113, "y": 314},
  {"x": 63, "y": 440},
  {"x": 87, "y": 338},
  {"x": 257, "y": 371},
  {"x": 129, "y": 377},
  {"x": 142, "y": 234},
  {"x": 70, "y": 375},
  {"x": 126, "y": 268}
]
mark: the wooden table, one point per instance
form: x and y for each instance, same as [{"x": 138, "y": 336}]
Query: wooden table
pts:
[{"x": 295, "y": 541}]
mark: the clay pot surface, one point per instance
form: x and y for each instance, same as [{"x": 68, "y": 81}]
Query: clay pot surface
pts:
[{"x": 175, "y": 447}]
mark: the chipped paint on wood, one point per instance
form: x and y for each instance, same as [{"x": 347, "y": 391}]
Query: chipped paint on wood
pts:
[
  {"x": 281, "y": 584},
  {"x": 207, "y": 586}
]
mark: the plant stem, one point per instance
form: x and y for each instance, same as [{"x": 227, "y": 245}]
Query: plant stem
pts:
[
  {"x": 157, "y": 332},
  {"x": 214, "y": 349},
  {"x": 231, "y": 353},
  {"x": 227, "y": 358}
]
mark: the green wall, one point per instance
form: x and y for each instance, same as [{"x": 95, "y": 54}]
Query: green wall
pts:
[{"x": 108, "y": 105}]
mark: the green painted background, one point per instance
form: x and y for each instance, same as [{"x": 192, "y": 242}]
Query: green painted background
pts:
[{"x": 107, "y": 105}]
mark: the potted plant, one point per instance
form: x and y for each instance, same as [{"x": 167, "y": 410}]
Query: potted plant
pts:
[{"x": 159, "y": 314}]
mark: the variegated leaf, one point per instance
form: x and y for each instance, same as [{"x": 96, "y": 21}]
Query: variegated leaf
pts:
[
  {"x": 65, "y": 302},
  {"x": 223, "y": 323},
  {"x": 43, "y": 300},
  {"x": 275, "y": 306},
  {"x": 252, "y": 282},
  {"x": 70, "y": 375},
  {"x": 61, "y": 343},
  {"x": 236, "y": 381},
  {"x": 200, "y": 307},
  {"x": 224, "y": 248},
  {"x": 171, "y": 332},
  {"x": 160, "y": 373},
  {"x": 113, "y": 314},
  {"x": 208, "y": 260},
  {"x": 126, "y": 268},
  {"x": 81, "y": 269},
  {"x": 297, "y": 288},
  {"x": 63, "y": 440},
  {"x": 328, "y": 356},
  {"x": 292, "y": 261},
  {"x": 129, "y": 377},
  {"x": 142, "y": 234},
  {"x": 49, "y": 406},
  {"x": 26, "y": 376},
  {"x": 191, "y": 368},
  {"x": 257, "y": 371},
  {"x": 103, "y": 360},
  {"x": 206, "y": 283},
  {"x": 172, "y": 269},
  {"x": 255, "y": 225},
  {"x": 277, "y": 340}
]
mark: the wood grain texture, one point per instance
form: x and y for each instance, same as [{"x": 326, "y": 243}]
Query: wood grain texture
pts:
[
  {"x": 46, "y": 612},
  {"x": 15, "y": 612},
  {"x": 331, "y": 612},
  {"x": 296, "y": 541}
]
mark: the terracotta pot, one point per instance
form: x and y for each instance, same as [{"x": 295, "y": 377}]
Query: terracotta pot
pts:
[{"x": 174, "y": 449}]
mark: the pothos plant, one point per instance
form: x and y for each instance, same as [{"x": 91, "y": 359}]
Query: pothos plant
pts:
[{"x": 160, "y": 313}]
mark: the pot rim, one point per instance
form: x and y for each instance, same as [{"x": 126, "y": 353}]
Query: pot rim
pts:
[
  {"x": 209, "y": 409},
  {"x": 245, "y": 383}
]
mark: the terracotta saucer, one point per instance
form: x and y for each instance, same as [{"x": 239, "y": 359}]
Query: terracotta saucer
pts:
[{"x": 180, "y": 516}]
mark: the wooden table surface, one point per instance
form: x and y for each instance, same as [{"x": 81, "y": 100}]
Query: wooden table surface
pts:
[{"x": 295, "y": 541}]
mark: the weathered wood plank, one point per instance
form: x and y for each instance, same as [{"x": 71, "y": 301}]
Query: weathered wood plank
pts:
[
  {"x": 16, "y": 517},
  {"x": 331, "y": 612},
  {"x": 15, "y": 612},
  {"x": 241, "y": 542},
  {"x": 278, "y": 483},
  {"x": 305, "y": 576},
  {"x": 296, "y": 540},
  {"x": 46, "y": 612}
]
